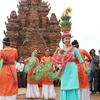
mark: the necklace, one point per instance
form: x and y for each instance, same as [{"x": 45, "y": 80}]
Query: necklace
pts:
[{"x": 66, "y": 49}]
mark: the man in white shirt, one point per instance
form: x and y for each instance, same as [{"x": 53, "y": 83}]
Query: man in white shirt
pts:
[{"x": 21, "y": 75}]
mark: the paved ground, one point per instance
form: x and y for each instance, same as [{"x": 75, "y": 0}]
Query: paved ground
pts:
[{"x": 21, "y": 95}]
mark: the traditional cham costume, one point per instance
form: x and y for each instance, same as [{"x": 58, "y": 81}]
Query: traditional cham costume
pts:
[
  {"x": 8, "y": 74},
  {"x": 32, "y": 84},
  {"x": 83, "y": 77},
  {"x": 48, "y": 90},
  {"x": 68, "y": 72}
]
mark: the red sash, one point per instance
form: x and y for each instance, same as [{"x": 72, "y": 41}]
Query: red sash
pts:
[{"x": 63, "y": 60}]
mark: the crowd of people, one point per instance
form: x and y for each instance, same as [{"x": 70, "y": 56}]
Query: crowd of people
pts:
[
  {"x": 94, "y": 75},
  {"x": 76, "y": 70}
]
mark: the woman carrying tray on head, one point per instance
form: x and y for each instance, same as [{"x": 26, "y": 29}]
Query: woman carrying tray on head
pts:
[{"x": 68, "y": 72}]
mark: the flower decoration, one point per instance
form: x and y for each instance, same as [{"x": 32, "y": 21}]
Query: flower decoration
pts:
[
  {"x": 65, "y": 20},
  {"x": 69, "y": 10}
]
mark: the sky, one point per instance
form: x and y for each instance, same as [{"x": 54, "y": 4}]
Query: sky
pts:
[{"x": 85, "y": 19}]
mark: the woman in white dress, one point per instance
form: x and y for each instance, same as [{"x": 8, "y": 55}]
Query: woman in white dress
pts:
[{"x": 32, "y": 85}]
